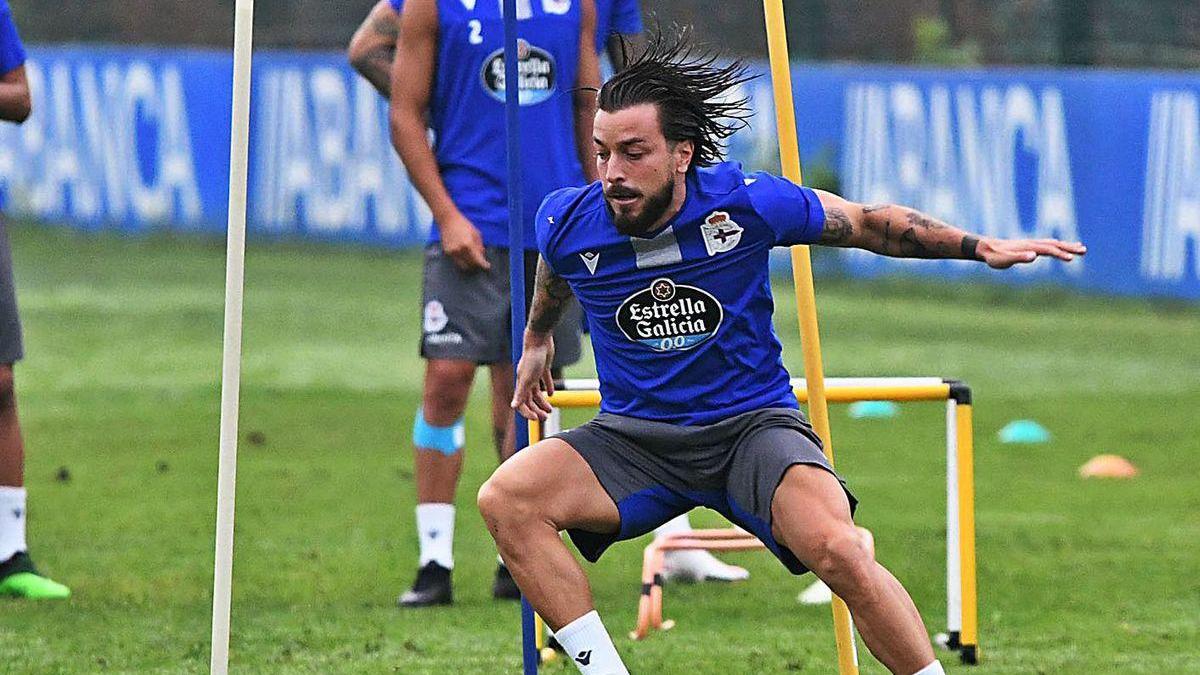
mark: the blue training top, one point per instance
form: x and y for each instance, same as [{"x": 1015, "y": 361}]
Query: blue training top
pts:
[
  {"x": 467, "y": 108},
  {"x": 12, "y": 52},
  {"x": 681, "y": 320},
  {"x": 612, "y": 16}
]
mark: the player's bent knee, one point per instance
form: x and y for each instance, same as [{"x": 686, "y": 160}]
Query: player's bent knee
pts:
[
  {"x": 844, "y": 561},
  {"x": 499, "y": 502},
  {"x": 448, "y": 440}
]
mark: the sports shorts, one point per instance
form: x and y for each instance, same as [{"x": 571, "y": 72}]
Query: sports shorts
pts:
[
  {"x": 467, "y": 315},
  {"x": 656, "y": 471},
  {"x": 12, "y": 347}
]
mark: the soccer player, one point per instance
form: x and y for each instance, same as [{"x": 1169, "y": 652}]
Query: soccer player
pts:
[
  {"x": 18, "y": 577},
  {"x": 372, "y": 49},
  {"x": 668, "y": 255},
  {"x": 449, "y": 74}
]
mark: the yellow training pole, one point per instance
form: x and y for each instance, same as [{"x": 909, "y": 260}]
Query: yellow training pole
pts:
[
  {"x": 806, "y": 303},
  {"x": 966, "y": 540}
]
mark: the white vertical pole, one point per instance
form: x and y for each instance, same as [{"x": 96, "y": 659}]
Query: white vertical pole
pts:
[
  {"x": 953, "y": 561},
  {"x": 231, "y": 360}
]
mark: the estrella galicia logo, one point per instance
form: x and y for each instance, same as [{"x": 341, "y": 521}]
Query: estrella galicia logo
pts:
[
  {"x": 535, "y": 66},
  {"x": 669, "y": 317}
]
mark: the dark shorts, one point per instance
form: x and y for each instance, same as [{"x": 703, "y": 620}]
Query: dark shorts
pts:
[
  {"x": 466, "y": 315},
  {"x": 655, "y": 471},
  {"x": 12, "y": 347}
]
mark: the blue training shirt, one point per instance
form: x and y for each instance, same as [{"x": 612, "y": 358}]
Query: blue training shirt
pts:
[
  {"x": 681, "y": 321},
  {"x": 12, "y": 52},
  {"x": 466, "y": 108}
]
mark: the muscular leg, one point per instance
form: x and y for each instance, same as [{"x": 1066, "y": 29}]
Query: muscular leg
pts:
[
  {"x": 447, "y": 385},
  {"x": 526, "y": 503},
  {"x": 12, "y": 448},
  {"x": 811, "y": 516}
]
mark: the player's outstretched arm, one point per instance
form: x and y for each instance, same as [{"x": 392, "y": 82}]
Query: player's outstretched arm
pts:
[
  {"x": 373, "y": 47},
  {"x": 15, "y": 102},
  {"x": 901, "y": 232},
  {"x": 535, "y": 384}
]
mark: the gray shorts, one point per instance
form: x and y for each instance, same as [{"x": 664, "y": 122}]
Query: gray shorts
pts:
[
  {"x": 655, "y": 471},
  {"x": 12, "y": 347},
  {"x": 466, "y": 315}
]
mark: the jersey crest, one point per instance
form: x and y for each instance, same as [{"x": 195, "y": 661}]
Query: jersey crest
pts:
[{"x": 720, "y": 233}]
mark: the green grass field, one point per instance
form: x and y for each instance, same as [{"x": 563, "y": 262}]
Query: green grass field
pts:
[{"x": 120, "y": 388}]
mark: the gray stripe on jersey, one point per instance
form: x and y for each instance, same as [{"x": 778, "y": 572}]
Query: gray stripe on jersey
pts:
[{"x": 661, "y": 250}]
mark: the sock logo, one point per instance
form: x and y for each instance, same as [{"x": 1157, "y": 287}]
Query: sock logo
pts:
[{"x": 584, "y": 658}]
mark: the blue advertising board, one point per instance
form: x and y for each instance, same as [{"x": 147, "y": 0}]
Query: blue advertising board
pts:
[{"x": 137, "y": 139}]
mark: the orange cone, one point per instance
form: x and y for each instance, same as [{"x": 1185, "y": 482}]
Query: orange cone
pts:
[{"x": 1108, "y": 466}]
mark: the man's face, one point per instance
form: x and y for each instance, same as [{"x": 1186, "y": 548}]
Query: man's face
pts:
[{"x": 638, "y": 167}]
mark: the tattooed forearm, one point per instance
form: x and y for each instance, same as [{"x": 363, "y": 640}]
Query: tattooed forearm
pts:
[
  {"x": 838, "y": 228},
  {"x": 373, "y": 48},
  {"x": 551, "y": 294},
  {"x": 906, "y": 233}
]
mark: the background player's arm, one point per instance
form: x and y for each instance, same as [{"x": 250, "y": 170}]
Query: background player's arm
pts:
[
  {"x": 372, "y": 50},
  {"x": 551, "y": 295},
  {"x": 586, "y": 86},
  {"x": 901, "y": 232},
  {"x": 412, "y": 82},
  {"x": 15, "y": 102}
]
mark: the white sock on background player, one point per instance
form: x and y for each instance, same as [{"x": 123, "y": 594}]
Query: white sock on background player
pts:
[
  {"x": 934, "y": 668},
  {"x": 12, "y": 521},
  {"x": 590, "y": 647},
  {"x": 435, "y": 532},
  {"x": 694, "y": 565}
]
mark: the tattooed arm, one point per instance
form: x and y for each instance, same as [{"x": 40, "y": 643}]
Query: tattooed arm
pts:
[
  {"x": 373, "y": 47},
  {"x": 534, "y": 382},
  {"x": 901, "y": 232}
]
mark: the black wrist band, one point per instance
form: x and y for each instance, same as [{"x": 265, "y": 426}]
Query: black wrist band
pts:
[{"x": 970, "y": 248}]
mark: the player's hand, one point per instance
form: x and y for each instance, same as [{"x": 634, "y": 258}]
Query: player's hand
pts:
[
  {"x": 1004, "y": 253},
  {"x": 462, "y": 241},
  {"x": 535, "y": 384}
]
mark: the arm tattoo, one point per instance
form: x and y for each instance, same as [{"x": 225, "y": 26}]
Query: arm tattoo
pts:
[
  {"x": 386, "y": 28},
  {"x": 838, "y": 228},
  {"x": 551, "y": 293},
  {"x": 917, "y": 235}
]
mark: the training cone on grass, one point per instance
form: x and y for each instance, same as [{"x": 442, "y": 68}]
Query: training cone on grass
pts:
[
  {"x": 871, "y": 410},
  {"x": 1108, "y": 466},
  {"x": 1024, "y": 432}
]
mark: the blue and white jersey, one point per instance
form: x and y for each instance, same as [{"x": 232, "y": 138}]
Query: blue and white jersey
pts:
[
  {"x": 623, "y": 17},
  {"x": 681, "y": 320},
  {"x": 12, "y": 52},
  {"x": 467, "y": 107}
]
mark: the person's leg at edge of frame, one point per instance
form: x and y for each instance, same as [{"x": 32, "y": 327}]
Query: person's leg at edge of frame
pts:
[
  {"x": 811, "y": 516},
  {"x": 504, "y": 437},
  {"x": 438, "y": 437},
  {"x": 18, "y": 577},
  {"x": 525, "y": 507}
]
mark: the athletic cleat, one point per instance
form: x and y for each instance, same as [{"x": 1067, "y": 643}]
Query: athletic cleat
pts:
[
  {"x": 503, "y": 587},
  {"x": 19, "y": 579},
  {"x": 693, "y": 566},
  {"x": 432, "y": 587}
]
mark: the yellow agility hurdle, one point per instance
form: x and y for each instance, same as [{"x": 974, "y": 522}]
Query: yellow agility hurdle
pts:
[{"x": 962, "y": 628}]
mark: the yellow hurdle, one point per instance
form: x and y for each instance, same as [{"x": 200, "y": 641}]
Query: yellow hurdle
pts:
[{"x": 806, "y": 303}]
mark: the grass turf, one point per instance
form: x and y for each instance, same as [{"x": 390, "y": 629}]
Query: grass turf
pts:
[{"x": 119, "y": 401}]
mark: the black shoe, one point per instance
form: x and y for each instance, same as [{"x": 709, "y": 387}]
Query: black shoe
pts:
[
  {"x": 504, "y": 588},
  {"x": 432, "y": 587}
]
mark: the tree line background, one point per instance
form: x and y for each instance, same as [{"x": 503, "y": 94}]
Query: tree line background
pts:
[{"x": 1115, "y": 33}]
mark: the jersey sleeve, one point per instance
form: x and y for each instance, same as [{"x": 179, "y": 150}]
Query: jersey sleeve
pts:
[
  {"x": 397, "y": 5},
  {"x": 12, "y": 52},
  {"x": 546, "y": 224},
  {"x": 626, "y": 17},
  {"x": 793, "y": 212}
]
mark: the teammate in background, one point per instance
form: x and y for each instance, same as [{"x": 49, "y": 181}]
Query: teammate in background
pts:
[
  {"x": 668, "y": 256},
  {"x": 372, "y": 49},
  {"x": 449, "y": 75},
  {"x": 18, "y": 577},
  {"x": 372, "y": 52}
]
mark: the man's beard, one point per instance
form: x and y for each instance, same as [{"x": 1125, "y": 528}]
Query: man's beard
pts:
[{"x": 655, "y": 206}]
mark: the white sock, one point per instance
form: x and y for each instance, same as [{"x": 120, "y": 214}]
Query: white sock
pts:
[
  {"x": 674, "y": 526},
  {"x": 12, "y": 521},
  {"x": 435, "y": 531},
  {"x": 934, "y": 668},
  {"x": 589, "y": 646}
]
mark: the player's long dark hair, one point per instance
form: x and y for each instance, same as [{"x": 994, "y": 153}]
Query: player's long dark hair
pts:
[{"x": 690, "y": 85}]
